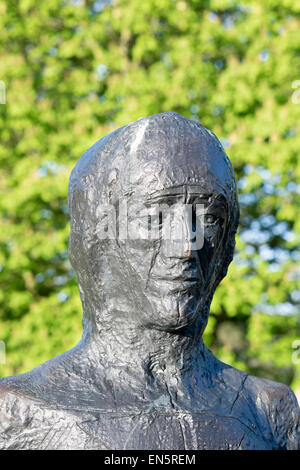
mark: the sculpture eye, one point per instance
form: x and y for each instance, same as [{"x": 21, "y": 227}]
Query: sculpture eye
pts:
[
  {"x": 210, "y": 219},
  {"x": 155, "y": 223}
]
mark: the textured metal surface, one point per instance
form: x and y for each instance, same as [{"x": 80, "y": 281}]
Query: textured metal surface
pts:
[{"x": 141, "y": 377}]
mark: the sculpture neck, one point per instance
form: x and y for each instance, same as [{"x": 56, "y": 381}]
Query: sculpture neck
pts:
[{"x": 146, "y": 354}]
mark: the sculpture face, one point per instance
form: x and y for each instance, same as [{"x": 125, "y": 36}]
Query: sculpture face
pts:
[
  {"x": 164, "y": 160},
  {"x": 173, "y": 275}
]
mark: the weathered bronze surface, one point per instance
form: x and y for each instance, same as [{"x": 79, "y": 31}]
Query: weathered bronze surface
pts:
[{"x": 141, "y": 376}]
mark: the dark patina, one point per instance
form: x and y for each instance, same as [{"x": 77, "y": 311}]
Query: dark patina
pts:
[{"x": 141, "y": 376}]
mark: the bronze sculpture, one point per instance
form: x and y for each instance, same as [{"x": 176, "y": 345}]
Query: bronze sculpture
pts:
[{"x": 141, "y": 376}]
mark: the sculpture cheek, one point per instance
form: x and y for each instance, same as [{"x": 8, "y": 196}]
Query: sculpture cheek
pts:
[
  {"x": 206, "y": 255},
  {"x": 212, "y": 238}
]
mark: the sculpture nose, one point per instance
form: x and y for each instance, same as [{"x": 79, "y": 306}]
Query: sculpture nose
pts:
[
  {"x": 184, "y": 249},
  {"x": 179, "y": 250},
  {"x": 182, "y": 242}
]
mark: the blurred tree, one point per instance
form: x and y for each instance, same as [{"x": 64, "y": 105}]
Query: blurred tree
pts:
[{"x": 74, "y": 70}]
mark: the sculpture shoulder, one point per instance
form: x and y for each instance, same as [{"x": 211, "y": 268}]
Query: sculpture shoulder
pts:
[
  {"x": 11, "y": 388},
  {"x": 281, "y": 408},
  {"x": 27, "y": 422},
  {"x": 12, "y": 412},
  {"x": 272, "y": 406},
  {"x": 17, "y": 386},
  {"x": 22, "y": 413}
]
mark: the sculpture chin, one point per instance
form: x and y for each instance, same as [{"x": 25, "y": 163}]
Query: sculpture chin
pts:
[{"x": 176, "y": 311}]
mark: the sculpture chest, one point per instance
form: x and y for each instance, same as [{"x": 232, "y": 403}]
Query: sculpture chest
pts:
[{"x": 169, "y": 431}]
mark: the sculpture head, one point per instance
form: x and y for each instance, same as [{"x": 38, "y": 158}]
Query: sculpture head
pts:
[{"x": 164, "y": 159}]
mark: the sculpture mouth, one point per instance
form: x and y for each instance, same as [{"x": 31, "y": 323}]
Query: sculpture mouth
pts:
[
  {"x": 179, "y": 283},
  {"x": 186, "y": 276}
]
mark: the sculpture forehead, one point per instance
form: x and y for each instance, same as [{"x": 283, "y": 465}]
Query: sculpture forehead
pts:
[
  {"x": 161, "y": 151},
  {"x": 169, "y": 150}
]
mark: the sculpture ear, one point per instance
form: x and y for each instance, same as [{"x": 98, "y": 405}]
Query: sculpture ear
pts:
[{"x": 228, "y": 250}]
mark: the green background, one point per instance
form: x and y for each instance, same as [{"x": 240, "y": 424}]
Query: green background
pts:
[{"x": 76, "y": 70}]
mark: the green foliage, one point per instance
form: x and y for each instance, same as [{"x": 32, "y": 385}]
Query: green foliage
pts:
[{"x": 76, "y": 70}]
